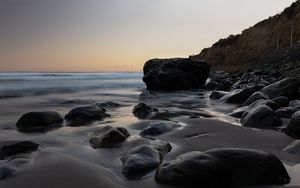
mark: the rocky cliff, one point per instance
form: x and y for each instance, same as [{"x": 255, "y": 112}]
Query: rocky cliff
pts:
[{"x": 267, "y": 38}]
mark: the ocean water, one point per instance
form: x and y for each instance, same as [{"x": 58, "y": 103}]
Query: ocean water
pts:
[
  {"x": 29, "y": 84},
  {"x": 25, "y": 92}
]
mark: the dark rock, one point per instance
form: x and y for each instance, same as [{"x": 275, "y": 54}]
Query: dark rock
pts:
[
  {"x": 162, "y": 146},
  {"x": 211, "y": 85},
  {"x": 288, "y": 87},
  {"x": 294, "y": 126},
  {"x": 273, "y": 105},
  {"x": 39, "y": 121},
  {"x": 175, "y": 74},
  {"x": 17, "y": 148},
  {"x": 193, "y": 169},
  {"x": 254, "y": 97},
  {"x": 158, "y": 128},
  {"x": 217, "y": 94},
  {"x": 261, "y": 117},
  {"x": 139, "y": 161},
  {"x": 295, "y": 104},
  {"x": 240, "y": 96},
  {"x": 247, "y": 167},
  {"x": 285, "y": 112},
  {"x": 108, "y": 136},
  {"x": 281, "y": 101},
  {"x": 224, "y": 85},
  {"x": 143, "y": 111},
  {"x": 86, "y": 114},
  {"x": 108, "y": 105}
]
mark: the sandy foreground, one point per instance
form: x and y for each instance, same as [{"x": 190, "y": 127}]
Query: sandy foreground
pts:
[{"x": 79, "y": 165}]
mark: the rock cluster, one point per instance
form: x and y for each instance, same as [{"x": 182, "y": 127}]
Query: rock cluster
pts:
[{"x": 265, "y": 98}]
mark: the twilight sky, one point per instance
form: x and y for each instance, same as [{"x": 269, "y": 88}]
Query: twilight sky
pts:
[{"x": 117, "y": 35}]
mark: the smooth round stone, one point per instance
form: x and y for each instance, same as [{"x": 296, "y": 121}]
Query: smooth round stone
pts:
[
  {"x": 193, "y": 169},
  {"x": 39, "y": 121},
  {"x": 139, "y": 161}
]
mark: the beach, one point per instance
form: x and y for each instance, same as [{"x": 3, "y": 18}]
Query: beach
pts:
[{"x": 65, "y": 157}]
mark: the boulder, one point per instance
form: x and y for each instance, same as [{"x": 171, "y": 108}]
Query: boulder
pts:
[
  {"x": 288, "y": 87},
  {"x": 281, "y": 101},
  {"x": 261, "y": 117},
  {"x": 108, "y": 136},
  {"x": 175, "y": 74},
  {"x": 17, "y": 148},
  {"x": 294, "y": 126},
  {"x": 239, "y": 96},
  {"x": 143, "y": 111},
  {"x": 139, "y": 161},
  {"x": 247, "y": 167},
  {"x": 254, "y": 97},
  {"x": 39, "y": 121},
  {"x": 285, "y": 112},
  {"x": 217, "y": 94},
  {"x": 158, "y": 128},
  {"x": 86, "y": 114},
  {"x": 273, "y": 105},
  {"x": 193, "y": 169}
]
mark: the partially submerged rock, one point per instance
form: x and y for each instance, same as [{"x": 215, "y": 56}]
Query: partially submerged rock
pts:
[
  {"x": 175, "y": 74},
  {"x": 39, "y": 121},
  {"x": 139, "y": 161},
  {"x": 285, "y": 112},
  {"x": 239, "y": 96},
  {"x": 281, "y": 101},
  {"x": 108, "y": 136},
  {"x": 86, "y": 114},
  {"x": 288, "y": 87},
  {"x": 254, "y": 97},
  {"x": 247, "y": 167},
  {"x": 217, "y": 94},
  {"x": 224, "y": 168},
  {"x": 143, "y": 111},
  {"x": 158, "y": 128},
  {"x": 162, "y": 146},
  {"x": 17, "y": 148},
  {"x": 193, "y": 169},
  {"x": 261, "y": 117}
]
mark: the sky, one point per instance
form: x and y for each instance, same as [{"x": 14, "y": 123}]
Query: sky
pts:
[{"x": 117, "y": 35}]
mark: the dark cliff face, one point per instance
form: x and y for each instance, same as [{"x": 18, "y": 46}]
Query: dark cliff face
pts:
[{"x": 238, "y": 52}]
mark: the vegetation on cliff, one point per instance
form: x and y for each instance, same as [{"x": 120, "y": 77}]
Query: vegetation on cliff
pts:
[{"x": 269, "y": 37}]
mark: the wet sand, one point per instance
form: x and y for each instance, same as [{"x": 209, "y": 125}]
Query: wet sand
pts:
[
  {"x": 72, "y": 162},
  {"x": 66, "y": 159}
]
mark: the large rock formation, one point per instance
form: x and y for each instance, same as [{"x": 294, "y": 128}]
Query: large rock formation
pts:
[{"x": 175, "y": 74}]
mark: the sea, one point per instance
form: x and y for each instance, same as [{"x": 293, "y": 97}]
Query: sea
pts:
[{"x": 21, "y": 93}]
